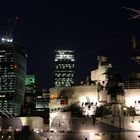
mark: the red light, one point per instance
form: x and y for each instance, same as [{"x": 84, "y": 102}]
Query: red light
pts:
[
  {"x": 15, "y": 66},
  {"x": 17, "y": 18}
]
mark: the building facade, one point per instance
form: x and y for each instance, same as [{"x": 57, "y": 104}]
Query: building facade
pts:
[
  {"x": 30, "y": 79},
  {"x": 64, "y": 62},
  {"x": 30, "y": 95},
  {"x": 12, "y": 77}
]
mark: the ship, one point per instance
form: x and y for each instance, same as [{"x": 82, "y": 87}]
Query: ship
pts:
[{"x": 104, "y": 107}]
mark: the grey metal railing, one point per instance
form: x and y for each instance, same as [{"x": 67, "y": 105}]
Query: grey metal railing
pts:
[{"x": 131, "y": 84}]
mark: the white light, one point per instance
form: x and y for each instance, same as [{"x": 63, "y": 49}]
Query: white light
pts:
[
  {"x": 36, "y": 131},
  {"x": 6, "y": 39},
  {"x": 9, "y": 136}
]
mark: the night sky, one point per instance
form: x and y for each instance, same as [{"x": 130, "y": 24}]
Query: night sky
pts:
[{"x": 91, "y": 28}]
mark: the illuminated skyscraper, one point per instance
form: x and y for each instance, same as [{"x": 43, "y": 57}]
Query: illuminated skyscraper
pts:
[
  {"x": 64, "y": 67},
  {"x": 12, "y": 76}
]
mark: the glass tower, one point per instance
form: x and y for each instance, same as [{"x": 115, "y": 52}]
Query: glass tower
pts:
[
  {"x": 12, "y": 77},
  {"x": 64, "y": 67}
]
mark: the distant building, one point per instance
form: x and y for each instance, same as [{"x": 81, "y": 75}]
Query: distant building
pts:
[
  {"x": 42, "y": 101},
  {"x": 12, "y": 76},
  {"x": 36, "y": 100},
  {"x": 30, "y": 95},
  {"x": 42, "y": 105},
  {"x": 30, "y": 79},
  {"x": 64, "y": 67}
]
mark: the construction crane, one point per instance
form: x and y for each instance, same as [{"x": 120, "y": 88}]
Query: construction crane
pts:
[
  {"x": 8, "y": 37},
  {"x": 136, "y": 13}
]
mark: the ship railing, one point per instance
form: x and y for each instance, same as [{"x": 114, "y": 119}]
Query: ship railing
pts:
[{"x": 131, "y": 84}]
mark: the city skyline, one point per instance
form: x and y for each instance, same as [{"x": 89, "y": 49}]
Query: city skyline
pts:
[{"x": 91, "y": 29}]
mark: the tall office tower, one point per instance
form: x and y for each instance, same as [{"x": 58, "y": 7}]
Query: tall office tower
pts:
[
  {"x": 64, "y": 67},
  {"x": 12, "y": 76}
]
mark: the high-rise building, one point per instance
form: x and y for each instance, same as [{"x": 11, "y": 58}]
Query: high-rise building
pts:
[
  {"x": 64, "y": 67},
  {"x": 12, "y": 76}
]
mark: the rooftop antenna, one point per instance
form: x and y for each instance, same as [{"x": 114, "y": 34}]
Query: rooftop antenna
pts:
[{"x": 9, "y": 33}]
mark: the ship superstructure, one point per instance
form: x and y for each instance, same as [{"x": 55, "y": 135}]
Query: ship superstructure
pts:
[{"x": 107, "y": 108}]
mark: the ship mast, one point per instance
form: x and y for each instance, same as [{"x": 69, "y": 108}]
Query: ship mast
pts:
[{"x": 135, "y": 14}]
